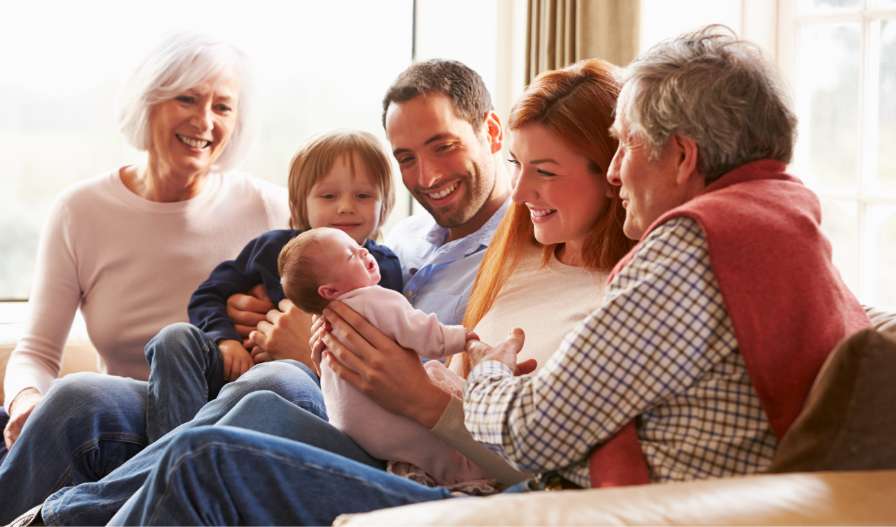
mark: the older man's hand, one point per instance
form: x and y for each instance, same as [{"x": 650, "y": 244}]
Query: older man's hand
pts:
[{"x": 504, "y": 352}]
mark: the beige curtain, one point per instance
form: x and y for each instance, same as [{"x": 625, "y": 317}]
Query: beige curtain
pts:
[{"x": 561, "y": 32}]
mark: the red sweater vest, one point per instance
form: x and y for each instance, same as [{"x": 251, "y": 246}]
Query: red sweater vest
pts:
[{"x": 787, "y": 304}]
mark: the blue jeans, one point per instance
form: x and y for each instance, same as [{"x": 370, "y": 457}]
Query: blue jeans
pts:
[
  {"x": 263, "y": 411},
  {"x": 185, "y": 372},
  {"x": 90, "y": 424},
  {"x": 228, "y": 476},
  {"x": 4, "y": 418}
]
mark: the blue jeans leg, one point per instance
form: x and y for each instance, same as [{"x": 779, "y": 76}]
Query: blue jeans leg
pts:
[
  {"x": 84, "y": 427},
  {"x": 185, "y": 372},
  {"x": 227, "y": 476},
  {"x": 268, "y": 413},
  {"x": 95, "y": 502},
  {"x": 4, "y": 418}
]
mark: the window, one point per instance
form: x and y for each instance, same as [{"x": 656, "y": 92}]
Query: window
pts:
[
  {"x": 840, "y": 57},
  {"x": 319, "y": 66}
]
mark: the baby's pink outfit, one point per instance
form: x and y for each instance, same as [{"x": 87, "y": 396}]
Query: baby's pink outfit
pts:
[{"x": 381, "y": 433}]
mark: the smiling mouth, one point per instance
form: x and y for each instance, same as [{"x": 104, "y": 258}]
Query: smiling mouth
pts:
[
  {"x": 193, "y": 142},
  {"x": 437, "y": 195},
  {"x": 538, "y": 214}
]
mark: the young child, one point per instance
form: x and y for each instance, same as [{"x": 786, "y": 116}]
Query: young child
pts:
[
  {"x": 321, "y": 265},
  {"x": 341, "y": 180}
]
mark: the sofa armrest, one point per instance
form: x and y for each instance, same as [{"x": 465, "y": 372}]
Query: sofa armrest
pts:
[
  {"x": 79, "y": 355},
  {"x": 817, "y": 498}
]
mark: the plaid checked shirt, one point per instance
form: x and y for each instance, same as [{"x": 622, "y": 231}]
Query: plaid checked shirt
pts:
[{"x": 661, "y": 349}]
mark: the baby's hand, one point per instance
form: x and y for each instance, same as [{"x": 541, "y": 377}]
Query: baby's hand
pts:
[{"x": 235, "y": 357}]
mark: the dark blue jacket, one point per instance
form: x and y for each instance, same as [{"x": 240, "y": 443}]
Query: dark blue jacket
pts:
[{"x": 257, "y": 263}]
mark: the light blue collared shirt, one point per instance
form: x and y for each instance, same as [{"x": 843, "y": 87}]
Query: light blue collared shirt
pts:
[{"x": 438, "y": 276}]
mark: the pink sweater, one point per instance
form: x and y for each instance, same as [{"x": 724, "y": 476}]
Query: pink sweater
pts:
[
  {"x": 381, "y": 433},
  {"x": 130, "y": 265}
]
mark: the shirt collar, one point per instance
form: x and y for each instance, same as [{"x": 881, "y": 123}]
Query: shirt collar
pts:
[{"x": 475, "y": 240}]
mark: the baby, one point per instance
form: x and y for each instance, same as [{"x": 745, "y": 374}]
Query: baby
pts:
[{"x": 321, "y": 265}]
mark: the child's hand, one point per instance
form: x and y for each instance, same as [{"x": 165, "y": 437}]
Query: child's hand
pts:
[{"x": 235, "y": 358}]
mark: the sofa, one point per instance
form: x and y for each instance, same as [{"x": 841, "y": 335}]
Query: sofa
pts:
[
  {"x": 845, "y": 425},
  {"x": 828, "y": 498},
  {"x": 79, "y": 354}
]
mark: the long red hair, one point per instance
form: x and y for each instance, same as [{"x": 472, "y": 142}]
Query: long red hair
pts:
[{"x": 576, "y": 103}]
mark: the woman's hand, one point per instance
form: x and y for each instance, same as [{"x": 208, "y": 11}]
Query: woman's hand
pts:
[
  {"x": 283, "y": 334},
  {"x": 505, "y": 352},
  {"x": 319, "y": 326},
  {"x": 247, "y": 310},
  {"x": 20, "y": 410},
  {"x": 373, "y": 363}
]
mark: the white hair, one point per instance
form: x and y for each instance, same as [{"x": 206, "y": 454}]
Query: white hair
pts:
[
  {"x": 715, "y": 89},
  {"x": 182, "y": 61}
]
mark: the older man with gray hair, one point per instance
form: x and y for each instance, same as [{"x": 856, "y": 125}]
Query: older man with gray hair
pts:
[{"x": 716, "y": 324}]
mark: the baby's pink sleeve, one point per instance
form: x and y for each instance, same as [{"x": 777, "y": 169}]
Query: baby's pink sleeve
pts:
[{"x": 422, "y": 332}]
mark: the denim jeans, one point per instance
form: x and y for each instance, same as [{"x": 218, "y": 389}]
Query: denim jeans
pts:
[
  {"x": 262, "y": 411},
  {"x": 228, "y": 476},
  {"x": 4, "y": 418},
  {"x": 185, "y": 372},
  {"x": 88, "y": 425}
]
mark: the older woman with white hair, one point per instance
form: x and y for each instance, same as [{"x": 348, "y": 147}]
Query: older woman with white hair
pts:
[{"x": 128, "y": 248}]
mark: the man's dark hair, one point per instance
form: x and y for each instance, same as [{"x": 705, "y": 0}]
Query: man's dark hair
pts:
[{"x": 448, "y": 77}]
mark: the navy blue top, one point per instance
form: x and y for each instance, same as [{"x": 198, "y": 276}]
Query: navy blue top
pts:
[{"x": 257, "y": 263}]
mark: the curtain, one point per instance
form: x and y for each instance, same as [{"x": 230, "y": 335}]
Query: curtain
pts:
[{"x": 560, "y": 32}]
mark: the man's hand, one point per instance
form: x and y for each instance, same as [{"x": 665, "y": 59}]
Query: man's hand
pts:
[
  {"x": 235, "y": 357},
  {"x": 247, "y": 310},
  {"x": 19, "y": 412},
  {"x": 283, "y": 334},
  {"x": 505, "y": 352},
  {"x": 377, "y": 366}
]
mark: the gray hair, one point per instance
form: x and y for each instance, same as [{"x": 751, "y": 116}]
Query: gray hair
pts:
[
  {"x": 715, "y": 89},
  {"x": 182, "y": 61}
]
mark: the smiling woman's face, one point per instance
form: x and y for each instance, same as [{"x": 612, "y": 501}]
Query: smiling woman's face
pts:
[
  {"x": 191, "y": 131},
  {"x": 563, "y": 193}
]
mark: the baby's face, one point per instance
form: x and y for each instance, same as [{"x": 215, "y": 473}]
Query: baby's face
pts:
[{"x": 345, "y": 264}]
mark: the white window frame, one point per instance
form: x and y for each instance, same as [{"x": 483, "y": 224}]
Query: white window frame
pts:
[{"x": 788, "y": 22}]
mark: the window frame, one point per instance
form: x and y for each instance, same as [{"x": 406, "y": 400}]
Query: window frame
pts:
[{"x": 789, "y": 22}]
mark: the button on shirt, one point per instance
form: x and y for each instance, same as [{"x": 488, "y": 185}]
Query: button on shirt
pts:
[{"x": 439, "y": 275}]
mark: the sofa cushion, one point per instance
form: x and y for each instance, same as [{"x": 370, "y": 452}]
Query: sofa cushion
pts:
[
  {"x": 883, "y": 321},
  {"x": 849, "y": 422},
  {"x": 821, "y": 498}
]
